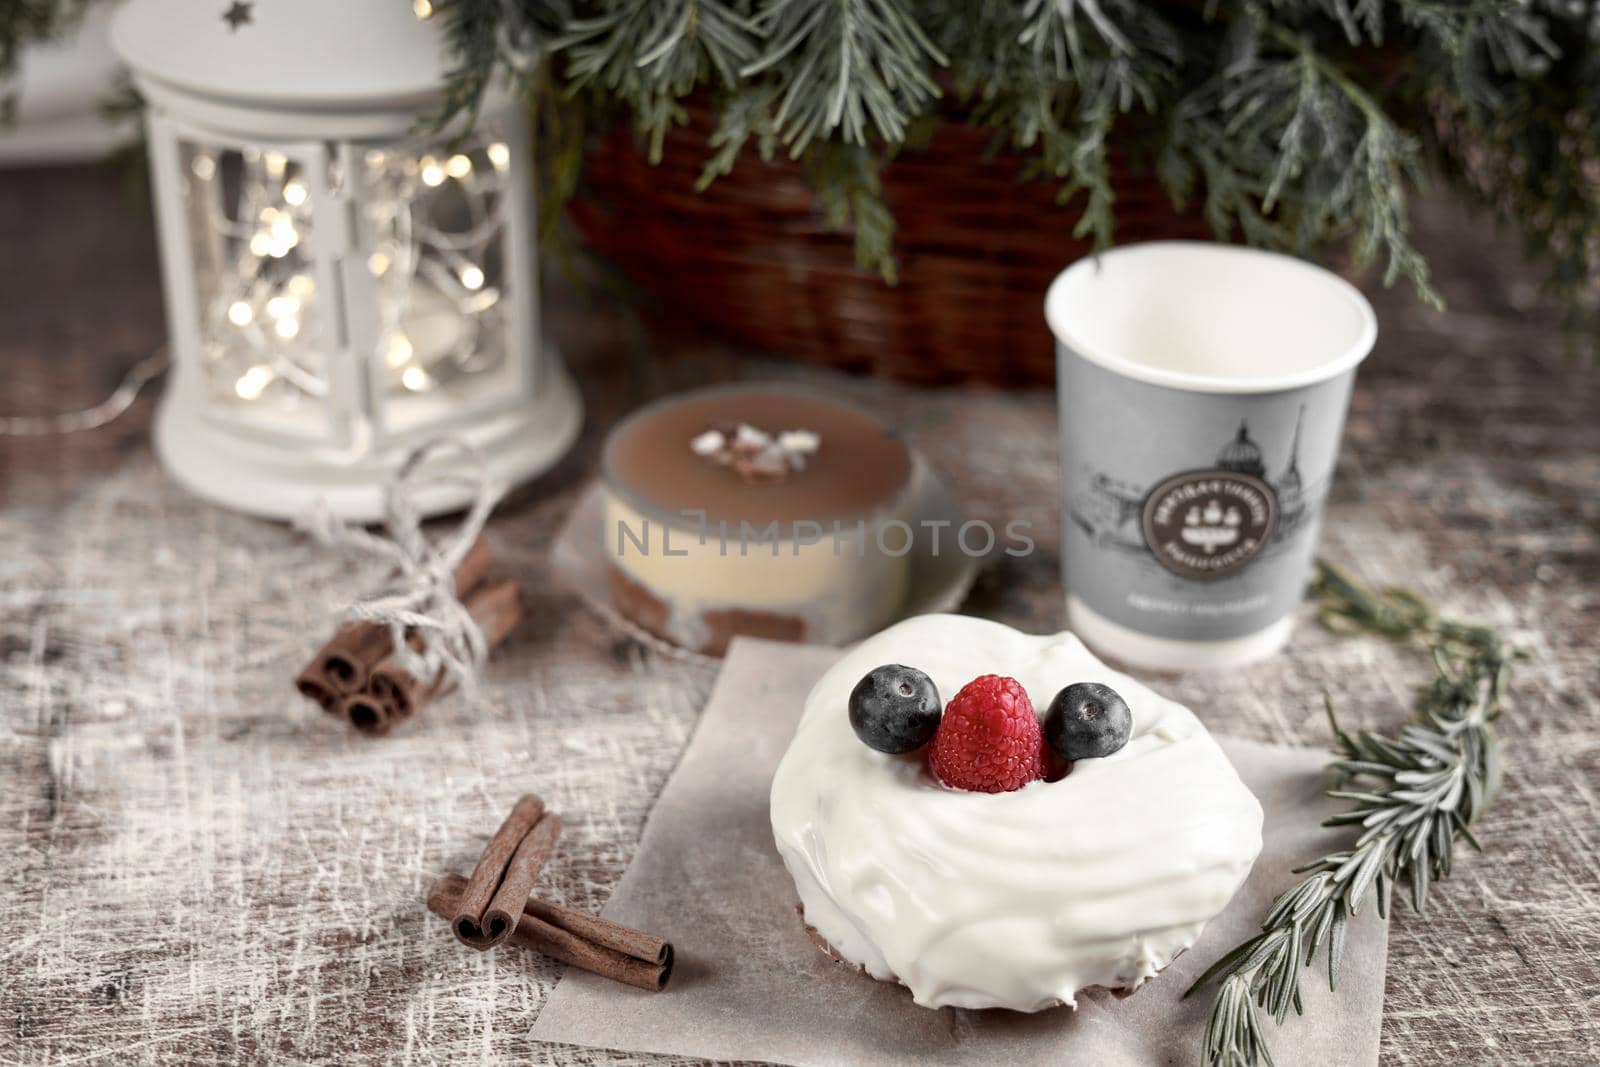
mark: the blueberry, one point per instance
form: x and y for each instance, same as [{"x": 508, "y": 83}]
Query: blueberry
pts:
[
  {"x": 895, "y": 709},
  {"x": 1087, "y": 720}
]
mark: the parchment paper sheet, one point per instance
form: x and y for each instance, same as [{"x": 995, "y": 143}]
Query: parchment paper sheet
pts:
[{"x": 750, "y": 985}]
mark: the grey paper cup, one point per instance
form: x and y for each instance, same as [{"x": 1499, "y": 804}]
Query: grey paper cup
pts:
[{"x": 1203, "y": 390}]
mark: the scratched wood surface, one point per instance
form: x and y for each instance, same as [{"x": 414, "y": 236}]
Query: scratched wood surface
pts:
[{"x": 200, "y": 868}]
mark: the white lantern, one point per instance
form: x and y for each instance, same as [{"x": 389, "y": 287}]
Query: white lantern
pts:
[{"x": 339, "y": 285}]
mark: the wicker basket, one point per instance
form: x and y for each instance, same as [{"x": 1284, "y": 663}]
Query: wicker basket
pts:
[{"x": 749, "y": 261}]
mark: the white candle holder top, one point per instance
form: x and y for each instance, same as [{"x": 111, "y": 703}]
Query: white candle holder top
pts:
[{"x": 339, "y": 287}]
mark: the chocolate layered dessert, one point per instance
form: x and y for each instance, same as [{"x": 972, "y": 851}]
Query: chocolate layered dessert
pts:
[{"x": 756, "y": 510}]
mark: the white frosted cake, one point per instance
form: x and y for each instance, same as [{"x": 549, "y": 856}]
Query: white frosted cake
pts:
[{"x": 1097, "y": 872}]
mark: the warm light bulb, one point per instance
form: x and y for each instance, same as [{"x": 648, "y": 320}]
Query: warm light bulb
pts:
[
  {"x": 284, "y": 234},
  {"x": 499, "y": 154},
  {"x": 377, "y": 263},
  {"x": 416, "y": 379},
  {"x": 432, "y": 173},
  {"x": 422, "y": 9},
  {"x": 276, "y": 163},
  {"x": 400, "y": 350},
  {"x": 302, "y": 286},
  {"x": 261, "y": 245},
  {"x": 253, "y": 381},
  {"x": 203, "y": 167},
  {"x": 286, "y": 327},
  {"x": 472, "y": 277},
  {"x": 458, "y": 166},
  {"x": 280, "y": 306},
  {"x": 240, "y": 313},
  {"x": 482, "y": 301},
  {"x": 294, "y": 192}
]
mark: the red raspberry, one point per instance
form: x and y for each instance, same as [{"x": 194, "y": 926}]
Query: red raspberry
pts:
[{"x": 989, "y": 739}]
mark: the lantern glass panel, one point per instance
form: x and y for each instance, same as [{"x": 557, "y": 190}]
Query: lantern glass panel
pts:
[
  {"x": 264, "y": 324},
  {"x": 437, "y": 226}
]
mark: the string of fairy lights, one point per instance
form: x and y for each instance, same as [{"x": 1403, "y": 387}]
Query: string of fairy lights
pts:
[{"x": 433, "y": 222}]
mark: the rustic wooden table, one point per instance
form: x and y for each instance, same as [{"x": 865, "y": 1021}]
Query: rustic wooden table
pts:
[{"x": 198, "y": 868}]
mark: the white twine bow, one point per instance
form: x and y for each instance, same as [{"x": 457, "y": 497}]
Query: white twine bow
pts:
[{"x": 420, "y": 598}]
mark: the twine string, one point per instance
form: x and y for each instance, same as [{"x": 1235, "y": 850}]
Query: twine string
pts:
[{"x": 420, "y": 598}]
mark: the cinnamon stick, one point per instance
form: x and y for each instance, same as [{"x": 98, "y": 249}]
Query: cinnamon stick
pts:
[
  {"x": 544, "y": 937},
  {"x": 370, "y": 710},
  {"x": 343, "y": 665},
  {"x": 367, "y": 713},
  {"x": 505, "y": 909},
  {"x": 314, "y": 687},
  {"x": 602, "y": 932},
  {"x": 504, "y": 858},
  {"x": 474, "y": 566},
  {"x": 496, "y": 608},
  {"x": 343, "y": 660}
]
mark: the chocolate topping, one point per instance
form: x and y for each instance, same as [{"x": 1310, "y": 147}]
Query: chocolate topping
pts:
[{"x": 860, "y": 467}]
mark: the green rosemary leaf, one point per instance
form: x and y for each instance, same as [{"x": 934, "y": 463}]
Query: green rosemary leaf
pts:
[
  {"x": 1360, "y": 798},
  {"x": 1341, "y": 920},
  {"x": 1385, "y": 750},
  {"x": 1289, "y": 974},
  {"x": 1332, "y": 861},
  {"x": 1344, "y": 818},
  {"x": 1291, "y": 904},
  {"x": 1341, "y": 738},
  {"x": 1428, "y": 742},
  {"x": 1319, "y": 933},
  {"x": 1365, "y": 875},
  {"x": 1357, "y": 767},
  {"x": 1463, "y": 831},
  {"x": 1228, "y": 963},
  {"x": 1378, "y": 828}
]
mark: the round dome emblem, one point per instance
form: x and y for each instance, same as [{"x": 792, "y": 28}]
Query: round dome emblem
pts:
[{"x": 1210, "y": 523}]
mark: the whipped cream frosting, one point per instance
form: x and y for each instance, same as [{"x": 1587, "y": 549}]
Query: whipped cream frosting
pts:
[{"x": 1009, "y": 900}]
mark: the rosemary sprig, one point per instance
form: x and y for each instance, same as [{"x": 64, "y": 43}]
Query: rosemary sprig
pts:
[{"x": 1412, "y": 795}]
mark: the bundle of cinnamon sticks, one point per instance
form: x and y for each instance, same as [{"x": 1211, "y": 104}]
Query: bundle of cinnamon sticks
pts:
[
  {"x": 496, "y": 905},
  {"x": 357, "y": 676}
]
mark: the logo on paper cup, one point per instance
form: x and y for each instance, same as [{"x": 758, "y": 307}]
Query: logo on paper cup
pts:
[{"x": 1209, "y": 523}]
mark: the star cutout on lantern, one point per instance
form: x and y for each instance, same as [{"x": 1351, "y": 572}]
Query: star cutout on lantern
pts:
[{"x": 238, "y": 14}]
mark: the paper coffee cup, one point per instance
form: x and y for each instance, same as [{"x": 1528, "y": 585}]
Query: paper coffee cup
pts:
[{"x": 1203, "y": 390}]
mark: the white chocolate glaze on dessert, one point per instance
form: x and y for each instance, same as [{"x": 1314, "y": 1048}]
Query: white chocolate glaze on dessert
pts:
[{"x": 1009, "y": 900}]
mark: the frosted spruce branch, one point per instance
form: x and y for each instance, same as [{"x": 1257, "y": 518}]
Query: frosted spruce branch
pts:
[{"x": 1295, "y": 124}]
